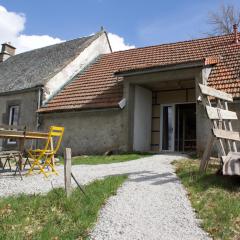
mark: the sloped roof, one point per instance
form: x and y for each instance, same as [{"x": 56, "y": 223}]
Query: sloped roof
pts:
[
  {"x": 98, "y": 87},
  {"x": 34, "y": 68}
]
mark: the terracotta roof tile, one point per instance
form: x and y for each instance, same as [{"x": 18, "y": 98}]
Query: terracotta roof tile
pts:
[{"x": 98, "y": 87}]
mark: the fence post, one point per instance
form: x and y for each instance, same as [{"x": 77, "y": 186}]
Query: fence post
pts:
[{"x": 67, "y": 170}]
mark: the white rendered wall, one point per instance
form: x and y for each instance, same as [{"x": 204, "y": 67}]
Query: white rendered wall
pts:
[
  {"x": 142, "y": 119},
  {"x": 97, "y": 47}
]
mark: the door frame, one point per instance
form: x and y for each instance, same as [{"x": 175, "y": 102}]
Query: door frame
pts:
[
  {"x": 161, "y": 127},
  {"x": 161, "y": 123}
]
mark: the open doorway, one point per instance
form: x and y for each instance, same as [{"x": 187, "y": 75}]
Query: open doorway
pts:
[
  {"x": 178, "y": 127},
  {"x": 185, "y": 127}
]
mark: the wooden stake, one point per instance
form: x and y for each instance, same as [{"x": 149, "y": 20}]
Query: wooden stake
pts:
[
  {"x": 206, "y": 154},
  {"x": 67, "y": 170}
]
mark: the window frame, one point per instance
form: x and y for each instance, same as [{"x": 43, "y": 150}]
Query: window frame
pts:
[{"x": 11, "y": 119}]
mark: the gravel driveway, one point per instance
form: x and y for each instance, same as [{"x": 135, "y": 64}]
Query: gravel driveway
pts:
[{"x": 151, "y": 204}]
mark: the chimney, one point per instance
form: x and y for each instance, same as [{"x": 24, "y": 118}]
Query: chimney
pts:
[
  {"x": 7, "y": 51},
  {"x": 235, "y": 31}
]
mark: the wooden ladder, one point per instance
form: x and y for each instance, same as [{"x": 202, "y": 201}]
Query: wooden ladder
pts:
[{"x": 215, "y": 103}]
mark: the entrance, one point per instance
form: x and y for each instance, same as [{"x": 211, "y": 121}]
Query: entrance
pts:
[
  {"x": 178, "y": 127},
  {"x": 167, "y": 128}
]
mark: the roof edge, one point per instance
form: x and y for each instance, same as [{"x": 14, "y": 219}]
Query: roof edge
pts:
[
  {"x": 79, "y": 109},
  {"x": 159, "y": 68},
  {"x": 37, "y": 87},
  {"x": 183, "y": 41},
  {"x": 83, "y": 47},
  {"x": 211, "y": 60}
]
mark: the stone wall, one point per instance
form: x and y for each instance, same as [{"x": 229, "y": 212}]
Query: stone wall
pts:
[
  {"x": 90, "y": 132},
  {"x": 89, "y": 54},
  {"x": 28, "y": 102}
]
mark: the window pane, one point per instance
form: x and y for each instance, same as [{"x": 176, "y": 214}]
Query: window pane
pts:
[
  {"x": 13, "y": 115},
  {"x": 13, "y": 120}
]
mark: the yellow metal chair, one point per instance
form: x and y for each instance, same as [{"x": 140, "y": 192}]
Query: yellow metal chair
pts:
[{"x": 43, "y": 158}]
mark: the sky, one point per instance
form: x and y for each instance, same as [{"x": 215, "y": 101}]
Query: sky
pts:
[{"x": 30, "y": 24}]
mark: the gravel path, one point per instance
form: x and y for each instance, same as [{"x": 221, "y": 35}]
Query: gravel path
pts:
[{"x": 151, "y": 204}]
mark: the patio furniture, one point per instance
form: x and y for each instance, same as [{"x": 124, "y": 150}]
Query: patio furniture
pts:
[
  {"x": 43, "y": 158},
  {"x": 10, "y": 132},
  {"x": 6, "y": 157},
  {"x": 216, "y": 106}
]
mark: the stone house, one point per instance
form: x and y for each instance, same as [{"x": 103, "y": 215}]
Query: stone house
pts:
[
  {"x": 145, "y": 99},
  {"x": 29, "y": 80}
]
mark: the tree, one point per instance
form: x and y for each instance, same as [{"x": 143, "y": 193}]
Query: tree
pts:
[{"x": 223, "y": 19}]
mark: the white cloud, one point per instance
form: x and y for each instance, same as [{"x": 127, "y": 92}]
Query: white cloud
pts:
[
  {"x": 118, "y": 43},
  {"x": 25, "y": 42},
  {"x": 11, "y": 24},
  {"x": 11, "y": 27}
]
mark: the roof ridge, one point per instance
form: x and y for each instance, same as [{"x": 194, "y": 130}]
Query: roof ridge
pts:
[
  {"x": 56, "y": 44},
  {"x": 175, "y": 43},
  {"x": 37, "y": 66},
  {"x": 84, "y": 45}
]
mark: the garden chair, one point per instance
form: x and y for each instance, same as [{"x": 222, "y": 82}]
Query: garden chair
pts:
[{"x": 44, "y": 158}]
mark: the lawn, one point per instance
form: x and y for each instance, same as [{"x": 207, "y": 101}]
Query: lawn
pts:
[
  {"x": 102, "y": 159},
  {"x": 215, "y": 198},
  {"x": 53, "y": 216}
]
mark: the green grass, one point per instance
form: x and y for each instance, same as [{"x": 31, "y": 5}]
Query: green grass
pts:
[
  {"x": 101, "y": 159},
  {"x": 216, "y": 198},
  {"x": 54, "y": 216}
]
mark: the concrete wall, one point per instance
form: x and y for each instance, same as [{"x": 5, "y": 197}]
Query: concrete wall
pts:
[
  {"x": 163, "y": 84},
  {"x": 204, "y": 127},
  {"x": 28, "y": 102},
  {"x": 235, "y": 106},
  {"x": 97, "y": 47},
  {"x": 203, "y": 124},
  {"x": 90, "y": 132},
  {"x": 142, "y": 119}
]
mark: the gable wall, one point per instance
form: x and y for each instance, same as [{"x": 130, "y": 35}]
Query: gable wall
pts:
[{"x": 97, "y": 47}]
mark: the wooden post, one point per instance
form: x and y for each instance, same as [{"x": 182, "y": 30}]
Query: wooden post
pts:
[
  {"x": 67, "y": 170},
  {"x": 206, "y": 154}
]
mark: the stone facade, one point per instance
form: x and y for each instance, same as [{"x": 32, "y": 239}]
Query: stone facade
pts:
[
  {"x": 28, "y": 104},
  {"x": 91, "y": 132},
  {"x": 30, "y": 100}
]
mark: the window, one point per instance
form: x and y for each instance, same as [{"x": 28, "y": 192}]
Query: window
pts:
[{"x": 13, "y": 119}]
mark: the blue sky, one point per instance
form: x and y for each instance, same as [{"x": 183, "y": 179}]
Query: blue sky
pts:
[{"x": 140, "y": 23}]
